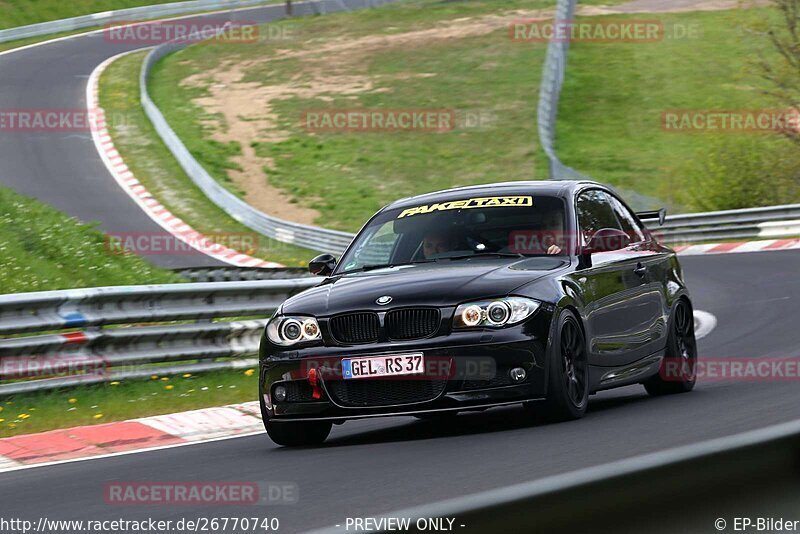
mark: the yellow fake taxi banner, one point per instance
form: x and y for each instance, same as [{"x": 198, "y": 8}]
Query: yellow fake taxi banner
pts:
[{"x": 481, "y": 202}]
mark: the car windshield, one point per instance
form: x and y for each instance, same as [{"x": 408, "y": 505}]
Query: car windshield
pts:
[{"x": 460, "y": 229}]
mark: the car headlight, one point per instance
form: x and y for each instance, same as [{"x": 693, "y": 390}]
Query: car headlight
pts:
[
  {"x": 495, "y": 313},
  {"x": 287, "y": 330}
]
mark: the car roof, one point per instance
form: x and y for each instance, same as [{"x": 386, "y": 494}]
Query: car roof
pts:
[{"x": 559, "y": 188}]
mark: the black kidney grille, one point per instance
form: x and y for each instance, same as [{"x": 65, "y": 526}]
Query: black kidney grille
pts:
[
  {"x": 355, "y": 327},
  {"x": 412, "y": 323},
  {"x": 366, "y": 392}
]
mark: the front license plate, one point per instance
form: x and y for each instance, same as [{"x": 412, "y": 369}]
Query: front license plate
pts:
[{"x": 376, "y": 366}]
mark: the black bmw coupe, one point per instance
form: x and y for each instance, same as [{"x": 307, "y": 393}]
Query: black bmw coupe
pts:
[{"x": 539, "y": 293}]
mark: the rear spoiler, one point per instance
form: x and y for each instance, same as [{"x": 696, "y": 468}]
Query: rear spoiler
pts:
[{"x": 661, "y": 215}]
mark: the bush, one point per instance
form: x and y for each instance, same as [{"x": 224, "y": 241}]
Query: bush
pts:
[{"x": 742, "y": 172}]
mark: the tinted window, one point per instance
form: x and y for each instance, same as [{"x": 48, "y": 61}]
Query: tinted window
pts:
[
  {"x": 628, "y": 221},
  {"x": 376, "y": 247},
  {"x": 514, "y": 224},
  {"x": 595, "y": 213}
]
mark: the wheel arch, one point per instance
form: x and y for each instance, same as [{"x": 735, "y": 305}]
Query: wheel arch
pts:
[{"x": 566, "y": 303}]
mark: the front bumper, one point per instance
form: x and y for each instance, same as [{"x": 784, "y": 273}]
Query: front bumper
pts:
[{"x": 480, "y": 361}]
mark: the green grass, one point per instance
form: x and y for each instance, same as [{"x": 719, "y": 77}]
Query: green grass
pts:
[
  {"x": 89, "y": 405},
  {"x": 23, "y": 12},
  {"x": 349, "y": 176},
  {"x": 609, "y": 123},
  {"x": 358, "y": 173},
  {"x": 153, "y": 165},
  {"x": 42, "y": 11},
  {"x": 43, "y": 249}
]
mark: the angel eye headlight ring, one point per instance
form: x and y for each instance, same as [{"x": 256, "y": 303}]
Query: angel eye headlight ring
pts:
[
  {"x": 291, "y": 330},
  {"x": 472, "y": 315},
  {"x": 495, "y": 313},
  {"x": 498, "y": 313}
]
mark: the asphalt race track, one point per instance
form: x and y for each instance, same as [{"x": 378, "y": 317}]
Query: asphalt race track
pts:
[
  {"x": 63, "y": 169},
  {"x": 367, "y": 468}
]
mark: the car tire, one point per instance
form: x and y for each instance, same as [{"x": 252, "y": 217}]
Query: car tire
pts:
[
  {"x": 568, "y": 372},
  {"x": 681, "y": 350},
  {"x": 298, "y": 434}
]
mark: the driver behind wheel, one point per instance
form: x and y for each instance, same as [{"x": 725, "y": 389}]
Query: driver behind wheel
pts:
[
  {"x": 438, "y": 242},
  {"x": 553, "y": 224},
  {"x": 546, "y": 236}
]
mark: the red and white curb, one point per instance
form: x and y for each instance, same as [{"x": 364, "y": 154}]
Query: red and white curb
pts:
[
  {"x": 150, "y": 205},
  {"x": 734, "y": 248},
  {"x": 135, "y": 435}
]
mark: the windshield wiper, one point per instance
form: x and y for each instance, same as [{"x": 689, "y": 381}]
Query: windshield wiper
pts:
[
  {"x": 383, "y": 266},
  {"x": 485, "y": 255},
  {"x": 366, "y": 268}
]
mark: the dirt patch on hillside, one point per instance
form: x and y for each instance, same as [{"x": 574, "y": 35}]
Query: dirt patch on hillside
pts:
[
  {"x": 247, "y": 117},
  {"x": 336, "y": 67},
  {"x": 247, "y": 111}
]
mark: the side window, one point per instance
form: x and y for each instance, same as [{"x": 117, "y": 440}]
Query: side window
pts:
[
  {"x": 628, "y": 221},
  {"x": 595, "y": 213},
  {"x": 376, "y": 249}
]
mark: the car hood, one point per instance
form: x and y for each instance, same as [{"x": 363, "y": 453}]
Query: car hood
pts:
[{"x": 442, "y": 283}]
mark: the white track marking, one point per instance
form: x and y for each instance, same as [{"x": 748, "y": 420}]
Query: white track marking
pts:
[
  {"x": 139, "y": 194},
  {"x": 205, "y": 424},
  {"x": 195, "y": 426},
  {"x": 150, "y": 21},
  {"x": 123, "y": 453},
  {"x": 704, "y": 323},
  {"x": 7, "y": 464}
]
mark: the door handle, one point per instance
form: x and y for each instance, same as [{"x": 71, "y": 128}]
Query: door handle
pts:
[{"x": 640, "y": 269}]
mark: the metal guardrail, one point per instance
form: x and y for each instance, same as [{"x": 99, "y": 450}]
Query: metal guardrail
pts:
[
  {"x": 553, "y": 72},
  {"x": 240, "y": 274},
  {"x": 136, "y": 347},
  {"x": 312, "y": 237},
  {"x": 693, "y": 488},
  {"x": 121, "y": 15},
  {"x": 772, "y": 222},
  {"x": 766, "y": 223}
]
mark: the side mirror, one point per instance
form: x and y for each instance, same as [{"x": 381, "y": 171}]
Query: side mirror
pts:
[
  {"x": 659, "y": 215},
  {"x": 322, "y": 265},
  {"x": 607, "y": 240}
]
